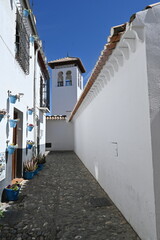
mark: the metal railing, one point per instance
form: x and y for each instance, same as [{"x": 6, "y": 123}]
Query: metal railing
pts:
[{"x": 22, "y": 44}]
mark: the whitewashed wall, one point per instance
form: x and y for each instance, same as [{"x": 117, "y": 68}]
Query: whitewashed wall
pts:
[
  {"x": 60, "y": 134},
  {"x": 15, "y": 80},
  {"x": 64, "y": 98},
  {"x": 115, "y": 135}
]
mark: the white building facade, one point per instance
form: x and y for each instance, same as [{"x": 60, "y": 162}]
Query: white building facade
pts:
[
  {"x": 24, "y": 75},
  {"x": 67, "y": 86}
]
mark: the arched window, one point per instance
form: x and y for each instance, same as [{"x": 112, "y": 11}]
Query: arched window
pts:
[
  {"x": 68, "y": 78},
  {"x": 60, "y": 79}
]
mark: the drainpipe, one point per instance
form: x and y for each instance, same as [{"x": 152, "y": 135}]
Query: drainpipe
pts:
[{"x": 34, "y": 99}]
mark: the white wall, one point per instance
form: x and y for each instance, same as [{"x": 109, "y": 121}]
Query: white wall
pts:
[
  {"x": 65, "y": 97},
  {"x": 14, "y": 79},
  {"x": 152, "y": 22},
  {"x": 113, "y": 139},
  {"x": 60, "y": 134}
]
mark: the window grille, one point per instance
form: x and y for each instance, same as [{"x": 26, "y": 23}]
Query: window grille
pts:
[
  {"x": 22, "y": 44},
  {"x": 60, "y": 79},
  {"x": 68, "y": 78},
  {"x": 44, "y": 92}
]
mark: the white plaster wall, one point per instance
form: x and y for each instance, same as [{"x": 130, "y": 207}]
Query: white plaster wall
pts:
[
  {"x": 152, "y": 22},
  {"x": 15, "y": 80},
  {"x": 12, "y": 76},
  {"x": 60, "y": 134},
  {"x": 113, "y": 139}
]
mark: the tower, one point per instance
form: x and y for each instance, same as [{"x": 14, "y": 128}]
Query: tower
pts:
[{"x": 67, "y": 84}]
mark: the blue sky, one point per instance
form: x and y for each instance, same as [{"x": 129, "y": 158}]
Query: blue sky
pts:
[{"x": 80, "y": 28}]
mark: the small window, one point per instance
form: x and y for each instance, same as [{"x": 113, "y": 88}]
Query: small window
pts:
[
  {"x": 68, "y": 78},
  {"x": 60, "y": 79},
  {"x": 48, "y": 145}
]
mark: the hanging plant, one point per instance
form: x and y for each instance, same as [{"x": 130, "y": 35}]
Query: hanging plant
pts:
[
  {"x": 11, "y": 148},
  {"x": 30, "y": 127},
  {"x": 30, "y": 144},
  {"x": 32, "y": 38},
  {"x": 13, "y": 98},
  {"x": 2, "y": 114},
  {"x": 30, "y": 111},
  {"x": 26, "y": 12},
  {"x": 13, "y": 122}
]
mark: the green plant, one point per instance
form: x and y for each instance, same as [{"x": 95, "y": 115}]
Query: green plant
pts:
[
  {"x": 30, "y": 166},
  {"x": 41, "y": 159},
  {"x": 1, "y": 213},
  {"x": 16, "y": 186},
  {"x": 30, "y": 142}
]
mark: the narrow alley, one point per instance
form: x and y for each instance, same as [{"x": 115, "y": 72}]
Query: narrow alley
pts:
[{"x": 63, "y": 202}]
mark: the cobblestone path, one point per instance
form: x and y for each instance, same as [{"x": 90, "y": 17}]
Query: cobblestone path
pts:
[{"x": 64, "y": 202}]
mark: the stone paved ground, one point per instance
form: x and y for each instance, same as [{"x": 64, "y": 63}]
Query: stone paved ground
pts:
[{"x": 64, "y": 202}]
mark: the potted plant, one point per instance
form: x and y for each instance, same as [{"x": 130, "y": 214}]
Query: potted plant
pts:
[
  {"x": 11, "y": 148},
  {"x": 32, "y": 38},
  {"x": 12, "y": 192},
  {"x": 13, "y": 98},
  {"x": 30, "y": 144},
  {"x": 30, "y": 111},
  {"x": 29, "y": 169},
  {"x": 30, "y": 127},
  {"x": 13, "y": 122},
  {"x": 2, "y": 114},
  {"x": 26, "y": 12},
  {"x": 41, "y": 159}
]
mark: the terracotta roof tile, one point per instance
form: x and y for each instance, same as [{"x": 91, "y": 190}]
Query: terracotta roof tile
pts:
[
  {"x": 64, "y": 59},
  {"x": 152, "y": 5},
  {"x": 56, "y": 117},
  {"x": 67, "y": 60},
  {"x": 108, "y": 48}
]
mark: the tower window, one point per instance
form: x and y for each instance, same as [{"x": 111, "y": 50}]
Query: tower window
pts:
[
  {"x": 60, "y": 79},
  {"x": 68, "y": 78}
]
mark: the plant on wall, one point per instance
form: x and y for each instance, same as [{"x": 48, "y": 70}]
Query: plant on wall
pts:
[
  {"x": 2, "y": 113},
  {"x": 30, "y": 144},
  {"x": 30, "y": 127},
  {"x": 11, "y": 148}
]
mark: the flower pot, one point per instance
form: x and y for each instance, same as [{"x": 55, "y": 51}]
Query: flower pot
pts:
[
  {"x": 36, "y": 171},
  {"x": 11, "y": 149},
  {"x": 30, "y": 128},
  {"x": 30, "y": 111},
  {"x": 28, "y": 175},
  {"x": 25, "y": 13},
  {"x": 29, "y": 146},
  {"x": 1, "y": 117},
  {"x": 40, "y": 166},
  {"x": 13, "y": 123},
  {"x": 11, "y": 195},
  {"x": 31, "y": 39},
  {"x": 12, "y": 98}
]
